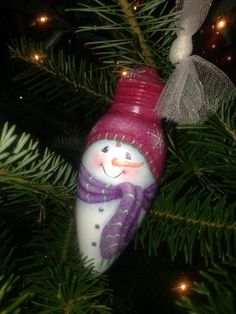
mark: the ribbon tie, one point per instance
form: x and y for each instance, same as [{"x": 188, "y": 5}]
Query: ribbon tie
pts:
[{"x": 196, "y": 87}]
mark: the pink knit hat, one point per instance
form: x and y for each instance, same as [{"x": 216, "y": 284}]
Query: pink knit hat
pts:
[{"x": 131, "y": 118}]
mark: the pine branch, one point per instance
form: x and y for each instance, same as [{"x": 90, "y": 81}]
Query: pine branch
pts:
[
  {"x": 196, "y": 208},
  {"x": 56, "y": 275},
  {"x": 7, "y": 263},
  {"x": 11, "y": 299},
  {"x": 9, "y": 304},
  {"x": 227, "y": 118},
  {"x": 126, "y": 38},
  {"x": 190, "y": 221},
  {"x": 28, "y": 175},
  {"x": 68, "y": 239},
  {"x": 57, "y": 76},
  {"x": 128, "y": 13},
  {"x": 195, "y": 222},
  {"x": 216, "y": 293}
]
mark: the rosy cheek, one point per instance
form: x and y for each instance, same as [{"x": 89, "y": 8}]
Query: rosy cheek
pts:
[
  {"x": 131, "y": 173},
  {"x": 98, "y": 160}
]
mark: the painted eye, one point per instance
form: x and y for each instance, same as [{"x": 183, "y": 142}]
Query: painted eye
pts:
[
  {"x": 128, "y": 156},
  {"x": 105, "y": 149}
]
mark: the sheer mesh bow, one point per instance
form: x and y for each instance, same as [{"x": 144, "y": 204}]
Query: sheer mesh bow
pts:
[{"x": 196, "y": 87}]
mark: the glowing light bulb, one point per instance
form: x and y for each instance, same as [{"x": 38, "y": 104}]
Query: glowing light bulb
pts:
[
  {"x": 124, "y": 73},
  {"x": 21, "y": 97},
  {"x": 183, "y": 286},
  {"x": 42, "y": 19},
  {"x": 37, "y": 58},
  {"x": 221, "y": 24},
  {"x": 135, "y": 8}
]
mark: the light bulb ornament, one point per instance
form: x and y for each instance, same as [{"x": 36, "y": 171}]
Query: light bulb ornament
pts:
[
  {"x": 196, "y": 88},
  {"x": 121, "y": 168}
]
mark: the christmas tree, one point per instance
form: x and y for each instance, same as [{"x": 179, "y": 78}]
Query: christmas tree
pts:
[{"x": 64, "y": 65}]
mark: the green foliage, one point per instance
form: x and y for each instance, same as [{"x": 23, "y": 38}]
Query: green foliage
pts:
[
  {"x": 195, "y": 211},
  {"x": 7, "y": 264},
  {"x": 57, "y": 276},
  {"x": 114, "y": 40},
  {"x": 10, "y": 302},
  {"x": 32, "y": 177},
  {"x": 216, "y": 294},
  {"x": 62, "y": 78}
]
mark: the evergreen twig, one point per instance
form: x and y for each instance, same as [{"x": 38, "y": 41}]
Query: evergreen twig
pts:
[
  {"x": 187, "y": 220},
  {"x": 216, "y": 291},
  {"x": 128, "y": 13},
  {"x": 25, "y": 171},
  {"x": 57, "y": 75}
]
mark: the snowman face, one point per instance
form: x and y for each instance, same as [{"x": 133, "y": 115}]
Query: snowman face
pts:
[{"x": 113, "y": 162}]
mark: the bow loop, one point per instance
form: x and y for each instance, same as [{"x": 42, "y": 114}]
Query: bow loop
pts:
[{"x": 196, "y": 87}]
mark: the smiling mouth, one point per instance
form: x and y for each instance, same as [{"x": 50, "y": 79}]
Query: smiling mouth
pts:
[{"x": 114, "y": 177}]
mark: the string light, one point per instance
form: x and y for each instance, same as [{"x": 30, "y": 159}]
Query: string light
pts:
[
  {"x": 183, "y": 287},
  {"x": 121, "y": 71},
  {"x": 221, "y": 24},
  {"x": 41, "y": 20},
  {"x": 21, "y": 97},
  {"x": 136, "y": 4},
  {"x": 37, "y": 58}
]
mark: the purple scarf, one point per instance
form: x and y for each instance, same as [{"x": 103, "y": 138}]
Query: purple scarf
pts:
[{"x": 121, "y": 227}]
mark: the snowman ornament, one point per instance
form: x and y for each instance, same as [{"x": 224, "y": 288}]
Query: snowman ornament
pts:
[
  {"x": 120, "y": 169},
  {"x": 126, "y": 150}
]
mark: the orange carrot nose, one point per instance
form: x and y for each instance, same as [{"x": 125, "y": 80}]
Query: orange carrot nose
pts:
[{"x": 117, "y": 163}]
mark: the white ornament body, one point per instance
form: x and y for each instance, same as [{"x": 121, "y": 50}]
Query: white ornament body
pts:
[{"x": 112, "y": 163}]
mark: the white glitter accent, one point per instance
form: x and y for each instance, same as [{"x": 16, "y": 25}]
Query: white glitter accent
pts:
[
  {"x": 116, "y": 224},
  {"x": 124, "y": 211},
  {"x": 129, "y": 195},
  {"x": 88, "y": 185},
  {"x": 113, "y": 236}
]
